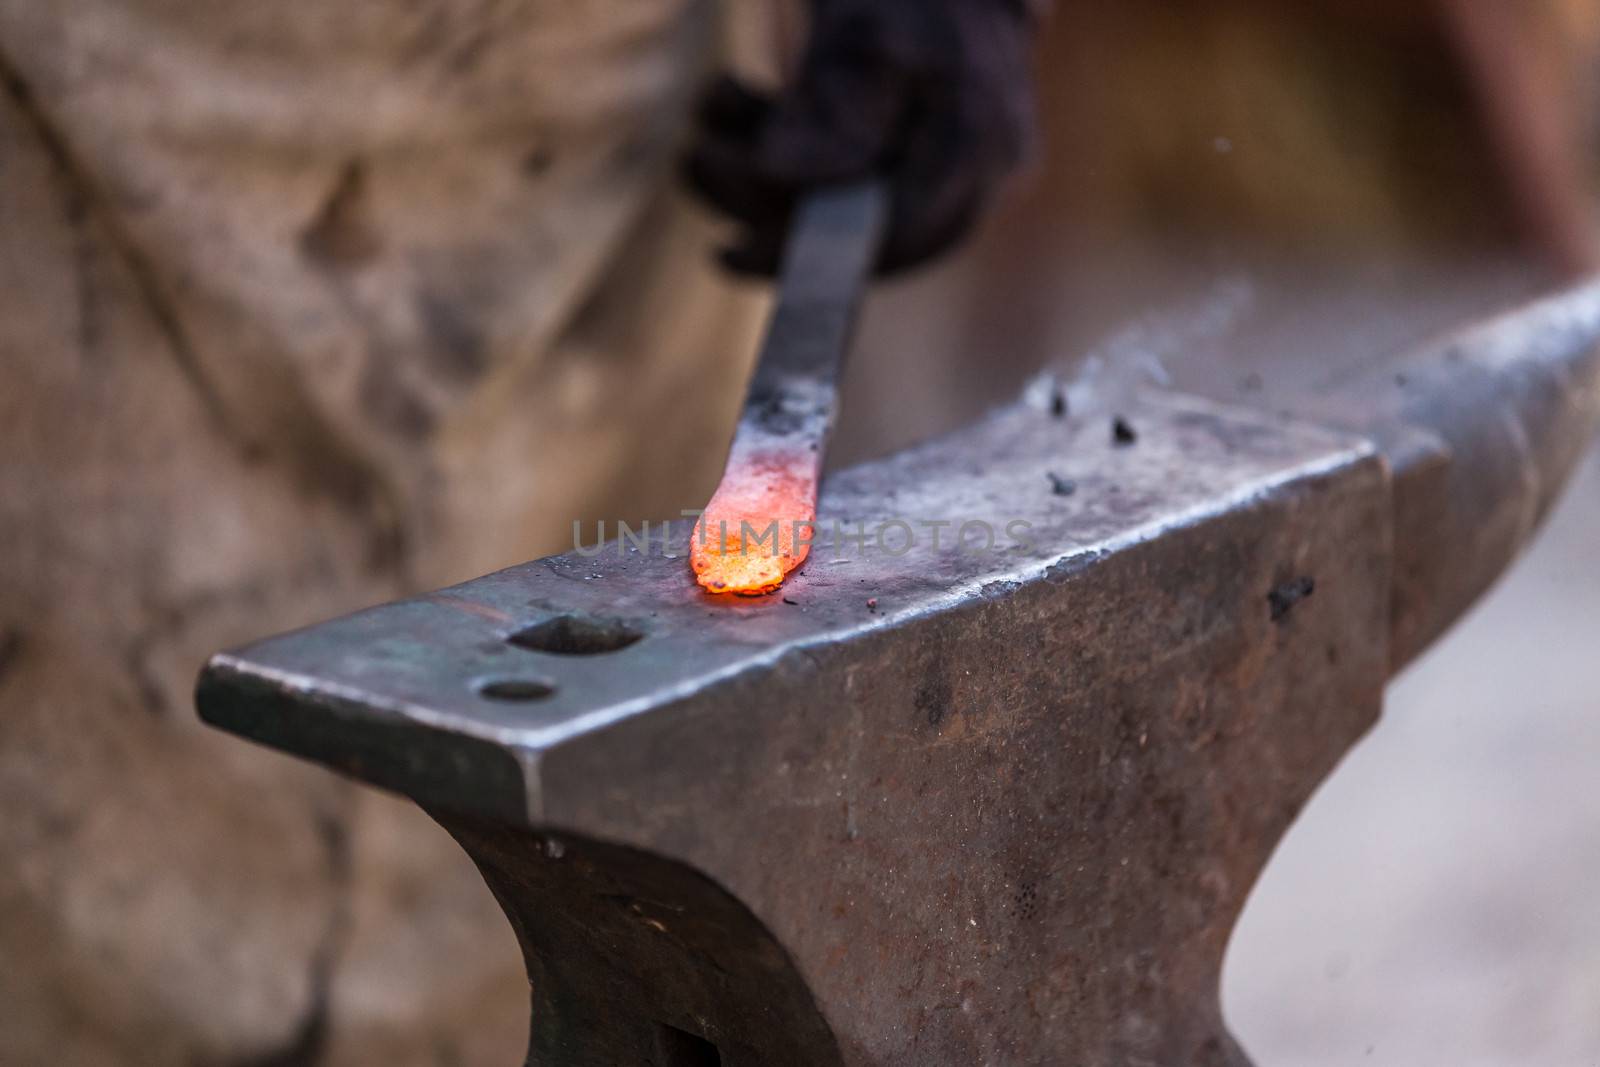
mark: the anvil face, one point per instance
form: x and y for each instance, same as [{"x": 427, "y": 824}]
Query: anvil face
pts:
[{"x": 997, "y": 803}]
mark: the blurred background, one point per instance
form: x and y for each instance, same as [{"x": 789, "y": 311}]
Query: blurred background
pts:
[{"x": 308, "y": 306}]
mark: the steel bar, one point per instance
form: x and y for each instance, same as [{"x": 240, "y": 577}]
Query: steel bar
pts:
[{"x": 775, "y": 461}]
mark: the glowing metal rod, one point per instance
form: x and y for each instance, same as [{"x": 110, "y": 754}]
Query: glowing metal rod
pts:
[{"x": 757, "y": 527}]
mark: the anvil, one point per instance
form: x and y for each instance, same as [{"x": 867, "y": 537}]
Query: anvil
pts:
[{"x": 992, "y": 800}]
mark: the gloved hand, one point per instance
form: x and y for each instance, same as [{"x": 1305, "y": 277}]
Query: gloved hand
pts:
[{"x": 935, "y": 95}]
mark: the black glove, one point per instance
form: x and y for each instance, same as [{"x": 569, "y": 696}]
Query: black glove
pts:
[{"x": 935, "y": 95}]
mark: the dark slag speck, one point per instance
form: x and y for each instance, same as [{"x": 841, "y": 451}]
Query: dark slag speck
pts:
[{"x": 1282, "y": 599}]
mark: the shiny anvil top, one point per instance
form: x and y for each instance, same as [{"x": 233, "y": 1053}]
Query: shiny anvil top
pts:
[{"x": 455, "y": 697}]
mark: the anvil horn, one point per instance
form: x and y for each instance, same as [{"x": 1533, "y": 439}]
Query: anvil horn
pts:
[
  {"x": 995, "y": 799},
  {"x": 1481, "y": 430}
]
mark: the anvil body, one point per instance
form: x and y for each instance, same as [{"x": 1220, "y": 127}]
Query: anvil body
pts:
[{"x": 981, "y": 804}]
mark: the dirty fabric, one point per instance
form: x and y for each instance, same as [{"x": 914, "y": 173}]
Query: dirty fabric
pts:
[{"x": 303, "y": 305}]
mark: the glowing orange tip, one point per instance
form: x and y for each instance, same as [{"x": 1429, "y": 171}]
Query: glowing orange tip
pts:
[{"x": 756, "y": 529}]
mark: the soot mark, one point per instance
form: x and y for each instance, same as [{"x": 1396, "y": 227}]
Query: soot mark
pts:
[{"x": 932, "y": 700}]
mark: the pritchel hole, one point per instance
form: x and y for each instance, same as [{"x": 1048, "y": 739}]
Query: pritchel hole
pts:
[
  {"x": 679, "y": 1048},
  {"x": 576, "y": 635},
  {"x": 516, "y": 690}
]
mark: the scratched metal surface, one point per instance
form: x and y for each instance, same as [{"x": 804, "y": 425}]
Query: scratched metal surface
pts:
[{"x": 420, "y": 664}]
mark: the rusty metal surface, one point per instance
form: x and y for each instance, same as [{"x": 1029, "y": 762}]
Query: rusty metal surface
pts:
[
  {"x": 1009, "y": 806},
  {"x": 946, "y": 807}
]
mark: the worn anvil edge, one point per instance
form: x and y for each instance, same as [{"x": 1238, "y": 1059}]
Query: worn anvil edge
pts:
[
  {"x": 402, "y": 747},
  {"x": 445, "y": 757}
]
